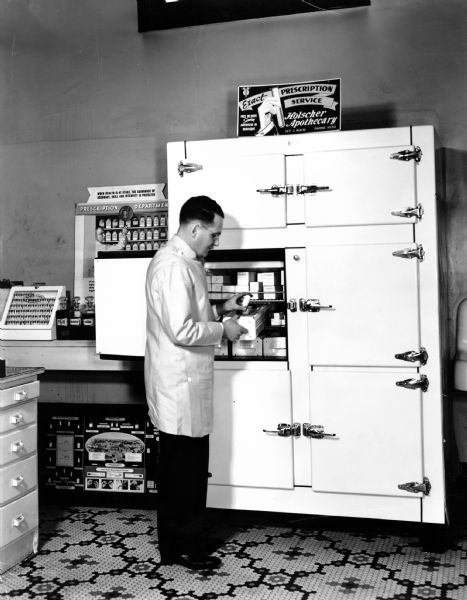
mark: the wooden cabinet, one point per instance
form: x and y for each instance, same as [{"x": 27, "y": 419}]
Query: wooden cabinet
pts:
[{"x": 19, "y": 518}]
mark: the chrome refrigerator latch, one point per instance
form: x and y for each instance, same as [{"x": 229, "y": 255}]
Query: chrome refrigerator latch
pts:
[
  {"x": 315, "y": 431},
  {"x": 285, "y": 430},
  {"x": 313, "y": 305}
]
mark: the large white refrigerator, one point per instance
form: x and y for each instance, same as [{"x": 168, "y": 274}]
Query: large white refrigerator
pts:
[{"x": 348, "y": 419}]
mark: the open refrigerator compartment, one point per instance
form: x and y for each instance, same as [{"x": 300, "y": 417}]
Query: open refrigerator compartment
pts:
[
  {"x": 265, "y": 317},
  {"x": 30, "y": 313}
]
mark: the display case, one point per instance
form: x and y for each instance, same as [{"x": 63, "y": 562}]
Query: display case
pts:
[
  {"x": 144, "y": 231},
  {"x": 97, "y": 453},
  {"x": 30, "y": 313}
]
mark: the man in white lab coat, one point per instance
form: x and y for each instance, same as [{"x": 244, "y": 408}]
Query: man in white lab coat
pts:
[{"x": 182, "y": 330}]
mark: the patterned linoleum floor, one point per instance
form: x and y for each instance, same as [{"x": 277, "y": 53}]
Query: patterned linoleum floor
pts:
[{"x": 106, "y": 553}]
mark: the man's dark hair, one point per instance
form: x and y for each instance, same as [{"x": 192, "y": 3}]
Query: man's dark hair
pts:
[{"x": 200, "y": 208}]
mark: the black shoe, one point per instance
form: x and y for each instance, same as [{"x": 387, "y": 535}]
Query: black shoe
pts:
[{"x": 196, "y": 563}]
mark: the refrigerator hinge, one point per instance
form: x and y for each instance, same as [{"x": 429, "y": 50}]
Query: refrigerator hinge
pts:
[
  {"x": 415, "y": 384},
  {"x": 410, "y": 211},
  {"x": 414, "y": 356},
  {"x": 187, "y": 167},
  {"x": 415, "y": 487},
  {"x": 417, "y": 252},
  {"x": 414, "y": 154}
]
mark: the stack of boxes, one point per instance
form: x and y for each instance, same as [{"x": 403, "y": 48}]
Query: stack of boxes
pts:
[
  {"x": 250, "y": 344},
  {"x": 219, "y": 286},
  {"x": 262, "y": 286},
  {"x": 267, "y": 285}
]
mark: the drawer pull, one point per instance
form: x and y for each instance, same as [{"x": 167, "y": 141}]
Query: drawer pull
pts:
[
  {"x": 18, "y": 521},
  {"x": 17, "y": 446},
  {"x": 16, "y": 419},
  {"x": 17, "y": 481},
  {"x": 22, "y": 395}
]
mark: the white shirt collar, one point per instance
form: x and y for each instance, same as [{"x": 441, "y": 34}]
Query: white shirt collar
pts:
[{"x": 183, "y": 248}]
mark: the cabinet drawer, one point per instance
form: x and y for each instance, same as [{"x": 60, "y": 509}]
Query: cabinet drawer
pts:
[
  {"x": 18, "y": 550},
  {"x": 18, "y": 479},
  {"x": 18, "y": 444},
  {"x": 19, "y": 393},
  {"x": 17, "y": 416},
  {"x": 18, "y": 517}
]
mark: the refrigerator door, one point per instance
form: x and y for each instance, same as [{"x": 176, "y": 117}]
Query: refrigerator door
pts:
[
  {"x": 248, "y": 402},
  {"x": 365, "y": 187},
  {"x": 232, "y": 175},
  {"x": 377, "y": 441},
  {"x": 120, "y": 306},
  {"x": 373, "y": 304}
]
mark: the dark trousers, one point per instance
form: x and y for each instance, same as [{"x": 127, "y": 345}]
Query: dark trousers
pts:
[{"x": 182, "y": 489}]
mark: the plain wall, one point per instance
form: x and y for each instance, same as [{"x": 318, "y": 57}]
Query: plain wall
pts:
[{"x": 85, "y": 100}]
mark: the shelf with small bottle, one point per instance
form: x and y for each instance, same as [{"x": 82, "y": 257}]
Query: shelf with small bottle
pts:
[
  {"x": 140, "y": 233},
  {"x": 76, "y": 320},
  {"x": 137, "y": 222}
]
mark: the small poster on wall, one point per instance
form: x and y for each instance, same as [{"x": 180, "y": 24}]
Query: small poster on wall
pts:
[
  {"x": 131, "y": 218},
  {"x": 282, "y": 109}
]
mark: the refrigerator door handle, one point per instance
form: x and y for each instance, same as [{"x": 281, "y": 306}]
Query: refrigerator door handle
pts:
[
  {"x": 285, "y": 430},
  {"x": 277, "y": 190},
  {"x": 313, "y": 305},
  {"x": 312, "y": 189}
]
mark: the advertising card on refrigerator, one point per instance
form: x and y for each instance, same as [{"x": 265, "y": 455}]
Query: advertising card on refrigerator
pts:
[{"x": 284, "y": 109}]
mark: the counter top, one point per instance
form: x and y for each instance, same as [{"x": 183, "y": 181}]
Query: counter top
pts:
[
  {"x": 19, "y": 375},
  {"x": 62, "y": 355}
]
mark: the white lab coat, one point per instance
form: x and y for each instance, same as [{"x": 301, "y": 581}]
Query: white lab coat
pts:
[{"x": 181, "y": 334}]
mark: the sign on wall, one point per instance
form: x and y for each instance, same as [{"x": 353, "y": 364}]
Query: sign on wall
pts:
[
  {"x": 130, "y": 218},
  {"x": 283, "y": 109}
]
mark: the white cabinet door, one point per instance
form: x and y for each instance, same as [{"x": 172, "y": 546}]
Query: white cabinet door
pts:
[
  {"x": 365, "y": 186},
  {"x": 374, "y": 299},
  {"x": 377, "y": 427},
  {"x": 232, "y": 177},
  {"x": 120, "y": 305},
  {"x": 241, "y": 453}
]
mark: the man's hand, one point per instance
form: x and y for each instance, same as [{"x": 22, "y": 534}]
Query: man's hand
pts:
[
  {"x": 232, "y": 329},
  {"x": 232, "y": 304}
]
